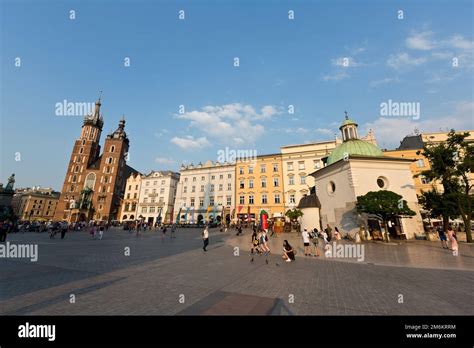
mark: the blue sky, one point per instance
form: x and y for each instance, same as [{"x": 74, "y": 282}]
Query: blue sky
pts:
[{"x": 190, "y": 62}]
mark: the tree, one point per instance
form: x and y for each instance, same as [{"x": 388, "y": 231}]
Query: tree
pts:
[
  {"x": 383, "y": 204},
  {"x": 452, "y": 164},
  {"x": 293, "y": 215}
]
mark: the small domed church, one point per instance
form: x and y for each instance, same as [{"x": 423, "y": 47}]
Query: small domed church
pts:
[
  {"x": 354, "y": 168},
  {"x": 95, "y": 181}
]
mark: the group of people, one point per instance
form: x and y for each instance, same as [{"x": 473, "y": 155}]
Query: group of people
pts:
[{"x": 451, "y": 237}]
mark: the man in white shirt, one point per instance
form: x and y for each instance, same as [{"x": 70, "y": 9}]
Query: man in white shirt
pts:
[
  {"x": 305, "y": 235},
  {"x": 205, "y": 237}
]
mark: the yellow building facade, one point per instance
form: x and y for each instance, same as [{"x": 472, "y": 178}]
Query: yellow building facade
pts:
[{"x": 259, "y": 186}]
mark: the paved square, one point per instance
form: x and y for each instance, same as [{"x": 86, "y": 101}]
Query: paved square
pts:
[{"x": 175, "y": 276}]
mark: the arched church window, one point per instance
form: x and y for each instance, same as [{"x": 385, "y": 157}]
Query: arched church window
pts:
[
  {"x": 112, "y": 148},
  {"x": 351, "y": 133},
  {"x": 90, "y": 181},
  {"x": 346, "y": 135}
]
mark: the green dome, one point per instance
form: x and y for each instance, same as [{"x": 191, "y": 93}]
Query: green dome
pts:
[
  {"x": 347, "y": 122},
  {"x": 353, "y": 147}
]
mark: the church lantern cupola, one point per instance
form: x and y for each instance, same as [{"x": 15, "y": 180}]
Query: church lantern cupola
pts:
[{"x": 348, "y": 129}]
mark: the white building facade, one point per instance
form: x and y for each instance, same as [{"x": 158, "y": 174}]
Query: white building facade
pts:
[
  {"x": 206, "y": 192},
  {"x": 157, "y": 196}
]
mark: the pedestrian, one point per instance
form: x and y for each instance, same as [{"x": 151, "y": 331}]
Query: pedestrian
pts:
[
  {"x": 328, "y": 231},
  {"x": 205, "y": 238},
  {"x": 63, "y": 229},
  {"x": 453, "y": 240},
  {"x": 254, "y": 245},
  {"x": 163, "y": 232},
  {"x": 93, "y": 230},
  {"x": 101, "y": 231},
  {"x": 442, "y": 238},
  {"x": 305, "y": 236},
  {"x": 314, "y": 235},
  {"x": 173, "y": 230},
  {"x": 337, "y": 235},
  {"x": 239, "y": 230},
  {"x": 264, "y": 242},
  {"x": 288, "y": 252},
  {"x": 3, "y": 232}
]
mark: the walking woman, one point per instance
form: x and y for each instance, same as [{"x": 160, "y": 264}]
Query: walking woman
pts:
[
  {"x": 453, "y": 240},
  {"x": 288, "y": 252}
]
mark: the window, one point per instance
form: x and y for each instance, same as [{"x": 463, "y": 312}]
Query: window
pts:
[
  {"x": 263, "y": 169},
  {"x": 251, "y": 199},
  {"x": 146, "y": 191},
  {"x": 382, "y": 182},
  {"x": 151, "y": 210},
  {"x": 147, "y": 183},
  {"x": 194, "y": 178},
  {"x": 185, "y": 189},
  {"x": 229, "y": 187},
  {"x": 202, "y": 188},
  {"x": 251, "y": 183},
  {"x": 153, "y": 191},
  {"x": 135, "y": 195},
  {"x": 331, "y": 187},
  {"x": 155, "y": 183},
  {"x": 74, "y": 179},
  {"x": 242, "y": 199},
  {"x": 229, "y": 176},
  {"x": 275, "y": 167},
  {"x": 229, "y": 200},
  {"x": 424, "y": 180},
  {"x": 420, "y": 163},
  {"x": 192, "y": 202},
  {"x": 276, "y": 182},
  {"x": 302, "y": 179},
  {"x": 193, "y": 189},
  {"x": 277, "y": 198},
  {"x": 291, "y": 180},
  {"x": 220, "y": 187},
  {"x": 152, "y": 199},
  {"x": 212, "y": 187},
  {"x": 136, "y": 187},
  {"x": 292, "y": 198},
  {"x": 202, "y": 178},
  {"x": 211, "y": 201},
  {"x": 81, "y": 150},
  {"x": 129, "y": 187},
  {"x": 250, "y": 170},
  {"x": 241, "y": 170},
  {"x": 201, "y": 202},
  {"x": 161, "y": 200},
  {"x": 242, "y": 184},
  {"x": 143, "y": 209},
  {"x": 112, "y": 148},
  {"x": 316, "y": 164},
  {"x": 185, "y": 179},
  {"x": 264, "y": 182},
  {"x": 213, "y": 177},
  {"x": 290, "y": 165},
  {"x": 109, "y": 160},
  {"x": 264, "y": 198},
  {"x": 301, "y": 165},
  {"x": 128, "y": 195},
  {"x": 134, "y": 206},
  {"x": 162, "y": 182},
  {"x": 145, "y": 200},
  {"x": 221, "y": 176}
]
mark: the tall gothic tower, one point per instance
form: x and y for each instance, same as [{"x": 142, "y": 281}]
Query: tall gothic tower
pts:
[{"x": 95, "y": 182}]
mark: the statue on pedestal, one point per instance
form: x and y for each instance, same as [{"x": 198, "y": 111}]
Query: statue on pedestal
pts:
[{"x": 11, "y": 182}]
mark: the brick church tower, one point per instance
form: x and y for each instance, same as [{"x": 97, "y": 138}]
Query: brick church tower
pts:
[{"x": 95, "y": 182}]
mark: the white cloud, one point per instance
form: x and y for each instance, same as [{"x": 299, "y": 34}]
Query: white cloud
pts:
[
  {"x": 421, "y": 41},
  {"x": 390, "y": 131},
  {"x": 231, "y": 123},
  {"x": 459, "y": 42},
  {"x": 325, "y": 131},
  {"x": 164, "y": 160},
  {"x": 404, "y": 60},
  {"x": 337, "y": 76},
  {"x": 189, "y": 143},
  {"x": 384, "y": 81}
]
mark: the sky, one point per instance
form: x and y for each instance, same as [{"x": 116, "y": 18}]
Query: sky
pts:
[{"x": 183, "y": 97}]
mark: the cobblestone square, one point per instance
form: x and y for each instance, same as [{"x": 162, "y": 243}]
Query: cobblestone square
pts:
[{"x": 174, "y": 276}]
